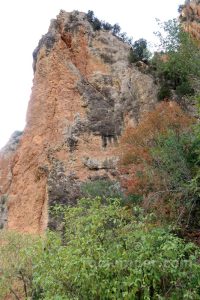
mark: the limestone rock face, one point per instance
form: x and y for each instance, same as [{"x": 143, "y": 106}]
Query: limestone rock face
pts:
[
  {"x": 190, "y": 17},
  {"x": 84, "y": 93}
]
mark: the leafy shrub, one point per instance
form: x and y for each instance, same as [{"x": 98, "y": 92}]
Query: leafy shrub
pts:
[
  {"x": 107, "y": 252},
  {"x": 194, "y": 184},
  {"x": 17, "y": 258},
  {"x": 103, "y": 188},
  {"x": 107, "y": 26},
  {"x": 108, "y": 189},
  {"x": 139, "y": 51},
  {"x": 164, "y": 92},
  {"x": 178, "y": 62},
  {"x": 156, "y": 162},
  {"x": 90, "y": 16},
  {"x": 123, "y": 36},
  {"x": 132, "y": 58},
  {"x": 184, "y": 88},
  {"x": 113, "y": 253},
  {"x": 170, "y": 158},
  {"x": 95, "y": 22},
  {"x": 116, "y": 29}
]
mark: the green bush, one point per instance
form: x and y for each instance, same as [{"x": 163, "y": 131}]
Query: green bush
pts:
[
  {"x": 116, "y": 29},
  {"x": 178, "y": 61},
  {"x": 95, "y": 22},
  {"x": 174, "y": 165},
  {"x": 170, "y": 154},
  {"x": 17, "y": 260},
  {"x": 164, "y": 92},
  {"x": 107, "y": 26},
  {"x": 90, "y": 16},
  {"x": 132, "y": 57},
  {"x": 113, "y": 253},
  {"x": 103, "y": 188},
  {"x": 108, "y": 189},
  {"x": 139, "y": 51},
  {"x": 107, "y": 252},
  {"x": 184, "y": 88}
]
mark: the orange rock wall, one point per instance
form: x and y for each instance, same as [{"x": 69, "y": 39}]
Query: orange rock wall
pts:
[
  {"x": 190, "y": 16},
  {"x": 55, "y": 104}
]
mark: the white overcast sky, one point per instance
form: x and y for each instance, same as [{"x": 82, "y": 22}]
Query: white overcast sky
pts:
[{"x": 22, "y": 22}]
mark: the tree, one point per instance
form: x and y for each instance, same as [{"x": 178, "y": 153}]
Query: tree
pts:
[
  {"x": 90, "y": 16},
  {"x": 178, "y": 63},
  {"x": 17, "y": 258},
  {"x": 107, "y": 26},
  {"x": 116, "y": 29},
  {"x": 106, "y": 251},
  {"x": 139, "y": 51},
  {"x": 156, "y": 162},
  {"x": 95, "y": 22}
]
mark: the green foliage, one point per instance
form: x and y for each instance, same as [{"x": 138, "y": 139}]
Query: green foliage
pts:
[
  {"x": 103, "y": 188},
  {"x": 184, "y": 88},
  {"x": 160, "y": 158},
  {"x": 107, "y": 26},
  {"x": 164, "y": 92},
  {"x": 139, "y": 51},
  {"x": 112, "y": 253},
  {"x": 194, "y": 184},
  {"x": 90, "y": 16},
  {"x": 95, "y": 22},
  {"x": 170, "y": 154},
  {"x": 174, "y": 163},
  {"x": 107, "y": 252},
  {"x": 108, "y": 189},
  {"x": 115, "y": 29},
  {"x": 17, "y": 257},
  {"x": 178, "y": 63}
]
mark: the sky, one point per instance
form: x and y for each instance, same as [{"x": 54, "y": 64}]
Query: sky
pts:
[{"x": 23, "y": 22}]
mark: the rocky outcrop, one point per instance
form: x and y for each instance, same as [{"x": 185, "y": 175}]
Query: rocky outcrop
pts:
[
  {"x": 84, "y": 93},
  {"x": 190, "y": 17},
  {"x": 7, "y": 155}
]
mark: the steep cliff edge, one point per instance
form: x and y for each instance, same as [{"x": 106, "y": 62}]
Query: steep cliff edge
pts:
[
  {"x": 84, "y": 93},
  {"x": 190, "y": 17}
]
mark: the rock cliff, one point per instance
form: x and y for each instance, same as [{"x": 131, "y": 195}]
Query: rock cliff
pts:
[
  {"x": 84, "y": 93},
  {"x": 190, "y": 17}
]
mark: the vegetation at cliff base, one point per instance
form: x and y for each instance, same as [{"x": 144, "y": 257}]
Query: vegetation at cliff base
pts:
[
  {"x": 160, "y": 161},
  {"x": 106, "y": 251}
]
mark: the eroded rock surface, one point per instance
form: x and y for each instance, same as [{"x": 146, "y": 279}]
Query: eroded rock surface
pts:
[
  {"x": 84, "y": 93},
  {"x": 190, "y": 17}
]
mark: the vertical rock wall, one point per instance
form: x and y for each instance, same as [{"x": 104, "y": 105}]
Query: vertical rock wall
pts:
[{"x": 84, "y": 93}]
